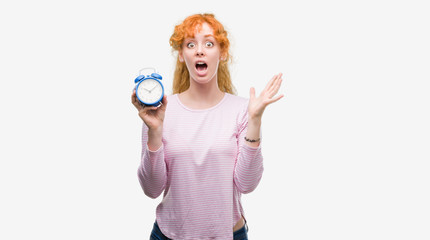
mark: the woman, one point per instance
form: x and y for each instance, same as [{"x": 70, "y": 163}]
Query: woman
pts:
[{"x": 202, "y": 145}]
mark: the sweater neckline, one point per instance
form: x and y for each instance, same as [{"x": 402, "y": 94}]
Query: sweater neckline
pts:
[{"x": 204, "y": 109}]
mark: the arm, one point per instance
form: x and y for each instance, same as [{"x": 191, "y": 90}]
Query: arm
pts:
[
  {"x": 152, "y": 173},
  {"x": 249, "y": 165}
]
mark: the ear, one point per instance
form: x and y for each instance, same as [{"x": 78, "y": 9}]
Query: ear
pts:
[
  {"x": 181, "y": 58},
  {"x": 223, "y": 57}
]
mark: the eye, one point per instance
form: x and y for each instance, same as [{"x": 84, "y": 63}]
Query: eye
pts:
[
  {"x": 209, "y": 44},
  {"x": 191, "y": 45}
]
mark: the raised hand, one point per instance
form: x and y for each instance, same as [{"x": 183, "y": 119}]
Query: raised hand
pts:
[{"x": 257, "y": 105}]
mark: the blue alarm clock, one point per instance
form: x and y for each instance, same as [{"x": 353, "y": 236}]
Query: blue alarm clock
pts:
[{"x": 149, "y": 89}]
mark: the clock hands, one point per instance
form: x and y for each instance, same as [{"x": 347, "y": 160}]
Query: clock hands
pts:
[{"x": 153, "y": 88}]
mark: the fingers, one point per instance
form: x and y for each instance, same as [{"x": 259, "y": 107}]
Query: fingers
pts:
[
  {"x": 147, "y": 108},
  {"x": 276, "y": 82},
  {"x": 270, "y": 83},
  {"x": 135, "y": 101},
  {"x": 273, "y": 83},
  {"x": 133, "y": 96},
  {"x": 164, "y": 103},
  {"x": 273, "y": 90},
  {"x": 252, "y": 93},
  {"x": 272, "y": 100},
  {"x": 270, "y": 90}
]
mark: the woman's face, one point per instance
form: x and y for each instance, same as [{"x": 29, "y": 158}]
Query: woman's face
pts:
[{"x": 201, "y": 55}]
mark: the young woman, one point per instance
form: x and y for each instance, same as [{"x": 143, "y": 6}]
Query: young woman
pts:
[{"x": 201, "y": 147}]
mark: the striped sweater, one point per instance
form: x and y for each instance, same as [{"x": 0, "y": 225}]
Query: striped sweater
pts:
[{"x": 203, "y": 166}]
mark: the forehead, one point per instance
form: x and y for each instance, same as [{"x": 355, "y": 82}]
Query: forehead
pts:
[{"x": 202, "y": 29}]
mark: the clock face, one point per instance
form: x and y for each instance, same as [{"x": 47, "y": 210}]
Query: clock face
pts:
[{"x": 149, "y": 91}]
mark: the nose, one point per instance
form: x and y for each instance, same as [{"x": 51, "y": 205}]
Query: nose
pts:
[{"x": 199, "y": 51}]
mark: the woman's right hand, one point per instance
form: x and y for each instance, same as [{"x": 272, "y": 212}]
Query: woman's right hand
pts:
[{"x": 153, "y": 117}]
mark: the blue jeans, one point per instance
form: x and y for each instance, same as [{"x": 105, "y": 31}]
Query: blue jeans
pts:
[{"x": 241, "y": 234}]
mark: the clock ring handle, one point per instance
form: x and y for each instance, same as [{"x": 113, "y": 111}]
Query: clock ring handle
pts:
[{"x": 140, "y": 71}]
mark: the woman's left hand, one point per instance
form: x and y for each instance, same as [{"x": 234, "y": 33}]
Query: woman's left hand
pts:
[{"x": 267, "y": 96}]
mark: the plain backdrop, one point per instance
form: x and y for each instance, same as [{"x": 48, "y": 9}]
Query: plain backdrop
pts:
[{"x": 346, "y": 150}]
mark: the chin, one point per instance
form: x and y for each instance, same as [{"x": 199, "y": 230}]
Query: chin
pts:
[{"x": 203, "y": 80}]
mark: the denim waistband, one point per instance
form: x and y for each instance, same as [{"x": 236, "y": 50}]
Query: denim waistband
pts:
[
  {"x": 156, "y": 230},
  {"x": 238, "y": 234},
  {"x": 241, "y": 233}
]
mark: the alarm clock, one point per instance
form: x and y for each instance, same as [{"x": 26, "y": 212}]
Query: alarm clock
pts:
[{"x": 149, "y": 89}]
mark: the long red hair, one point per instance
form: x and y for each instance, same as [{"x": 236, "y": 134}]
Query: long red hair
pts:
[{"x": 181, "y": 78}]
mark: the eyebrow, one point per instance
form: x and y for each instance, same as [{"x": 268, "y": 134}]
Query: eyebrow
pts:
[{"x": 207, "y": 35}]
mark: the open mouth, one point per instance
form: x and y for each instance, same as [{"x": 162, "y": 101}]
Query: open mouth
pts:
[{"x": 201, "y": 66}]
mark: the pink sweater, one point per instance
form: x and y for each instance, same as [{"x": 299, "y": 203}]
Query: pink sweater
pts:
[{"x": 203, "y": 167}]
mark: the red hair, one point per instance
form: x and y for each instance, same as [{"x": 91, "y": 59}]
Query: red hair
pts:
[{"x": 186, "y": 29}]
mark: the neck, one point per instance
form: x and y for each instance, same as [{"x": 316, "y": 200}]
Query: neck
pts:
[{"x": 202, "y": 96}]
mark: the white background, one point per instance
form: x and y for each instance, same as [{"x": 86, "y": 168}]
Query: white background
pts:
[{"x": 346, "y": 151}]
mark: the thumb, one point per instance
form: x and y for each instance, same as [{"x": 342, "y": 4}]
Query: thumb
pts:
[
  {"x": 252, "y": 93},
  {"x": 164, "y": 103}
]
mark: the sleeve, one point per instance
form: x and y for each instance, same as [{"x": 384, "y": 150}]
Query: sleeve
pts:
[
  {"x": 152, "y": 171},
  {"x": 249, "y": 163}
]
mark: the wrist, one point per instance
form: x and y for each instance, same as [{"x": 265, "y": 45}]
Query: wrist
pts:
[
  {"x": 155, "y": 137},
  {"x": 254, "y": 121},
  {"x": 252, "y": 137},
  {"x": 155, "y": 133}
]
